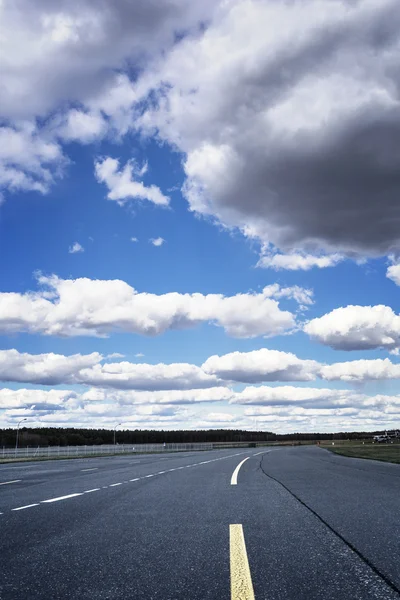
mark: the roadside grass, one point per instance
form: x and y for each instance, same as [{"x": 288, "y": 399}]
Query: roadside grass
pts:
[{"x": 383, "y": 452}]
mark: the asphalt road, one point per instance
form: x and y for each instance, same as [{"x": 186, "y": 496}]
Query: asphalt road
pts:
[{"x": 300, "y": 523}]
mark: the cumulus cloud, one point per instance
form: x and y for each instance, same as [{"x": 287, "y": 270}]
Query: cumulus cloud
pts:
[
  {"x": 258, "y": 366},
  {"x": 357, "y": 328},
  {"x": 41, "y": 400},
  {"x": 261, "y": 365},
  {"x": 393, "y": 273},
  {"x": 81, "y": 44},
  {"x": 75, "y": 248},
  {"x": 99, "y": 307},
  {"x": 285, "y": 409},
  {"x": 122, "y": 185},
  {"x": 125, "y": 375},
  {"x": 28, "y": 161},
  {"x": 361, "y": 370},
  {"x": 290, "y": 132},
  {"x": 297, "y": 262},
  {"x": 46, "y": 369},
  {"x": 56, "y": 369},
  {"x": 289, "y": 395},
  {"x": 81, "y": 126}
]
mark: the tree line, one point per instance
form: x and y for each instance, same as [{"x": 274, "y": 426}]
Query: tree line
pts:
[{"x": 70, "y": 436}]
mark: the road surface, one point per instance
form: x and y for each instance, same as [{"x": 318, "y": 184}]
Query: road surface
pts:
[{"x": 288, "y": 523}]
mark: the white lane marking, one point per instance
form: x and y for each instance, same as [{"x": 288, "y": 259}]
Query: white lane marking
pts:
[
  {"x": 27, "y": 506},
  {"x": 93, "y": 469},
  {"x": 61, "y": 498},
  {"x": 13, "y": 481},
  {"x": 236, "y": 471},
  {"x": 104, "y": 487}
]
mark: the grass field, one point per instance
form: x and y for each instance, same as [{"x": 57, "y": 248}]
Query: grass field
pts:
[{"x": 385, "y": 452}]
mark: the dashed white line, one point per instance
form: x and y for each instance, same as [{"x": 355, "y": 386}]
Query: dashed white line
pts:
[
  {"x": 50, "y": 500},
  {"x": 13, "y": 481},
  {"x": 236, "y": 471},
  {"x": 61, "y": 498},
  {"x": 23, "y": 507}
]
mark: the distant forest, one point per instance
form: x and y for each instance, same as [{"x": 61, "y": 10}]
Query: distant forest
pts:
[{"x": 57, "y": 436}]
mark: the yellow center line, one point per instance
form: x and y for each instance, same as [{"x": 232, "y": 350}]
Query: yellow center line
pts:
[{"x": 241, "y": 584}]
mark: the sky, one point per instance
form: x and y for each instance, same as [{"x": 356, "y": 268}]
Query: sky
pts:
[{"x": 200, "y": 216}]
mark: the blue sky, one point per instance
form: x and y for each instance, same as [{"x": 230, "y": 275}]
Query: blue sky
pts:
[{"x": 273, "y": 291}]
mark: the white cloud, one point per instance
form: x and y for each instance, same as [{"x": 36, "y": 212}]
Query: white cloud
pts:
[
  {"x": 82, "y": 47},
  {"x": 361, "y": 370},
  {"x": 139, "y": 355},
  {"x": 171, "y": 397},
  {"x": 393, "y": 273},
  {"x": 357, "y": 328},
  {"x": 285, "y": 409},
  {"x": 265, "y": 395},
  {"x": 258, "y": 366},
  {"x": 56, "y": 369},
  {"x": 297, "y": 262},
  {"x": 261, "y": 365},
  {"x": 121, "y": 183},
  {"x": 81, "y": 126},
  {"x": 134, "y": 239},
  {"x": 42, "y": 400},
  {"x": 157, "y": 241},
  {"x": 271, "y": 104},
  {"x": 97, "y": 308},
  {"x": 28, "y": 162},
  {"x": 125, "y": 375},
  {"x": 46, "y": 369},
  {"x": 75, "y": 248}
]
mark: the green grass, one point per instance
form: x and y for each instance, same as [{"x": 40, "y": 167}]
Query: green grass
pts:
[{"x": 384, "y": 452}]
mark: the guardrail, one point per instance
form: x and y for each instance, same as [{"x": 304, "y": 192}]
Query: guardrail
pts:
[{"x": 107, "y": 449}]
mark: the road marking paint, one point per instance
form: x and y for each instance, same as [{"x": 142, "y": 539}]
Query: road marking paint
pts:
[
  {"x": 136, "y": 479},
  {"x": 160, "y": 472},
  {"x": 236, "y": 471},
  {"x": 105, "y": 487},
  {"x": 13, "y": 481},
  {"x": 23, "y": 507},
  {"x": 93, "y": 469},
  {"x": 115, "y": 484},
  {"x": 61, "y": 498},
  {"x": 241, "y": 584},
  {"x": 146, "y": 476},
  {"x": 263, "y": 452},
  {"x": 90, "y": 491}
]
